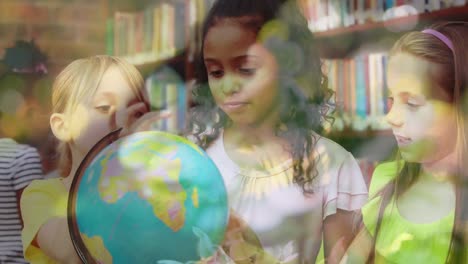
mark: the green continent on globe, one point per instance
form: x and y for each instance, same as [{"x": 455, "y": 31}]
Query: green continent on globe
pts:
[
  {"x": 153, "y": 175},
  {"x": 97, "y": 248}
]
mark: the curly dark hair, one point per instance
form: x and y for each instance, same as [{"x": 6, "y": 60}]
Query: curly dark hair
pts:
[{"x": 305, "y": 98}]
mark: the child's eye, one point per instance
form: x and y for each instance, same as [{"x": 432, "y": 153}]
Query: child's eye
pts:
[
  {"x": 412, "y": 104},
  {"x": 104, "y": 108},
  {"x": 248, "y": 71},
  {"x": 216, "y": 74}
]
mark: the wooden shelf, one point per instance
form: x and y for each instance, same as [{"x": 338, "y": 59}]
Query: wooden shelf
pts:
[
  {"x": 134, "y": 6},
  {"x": 148, "y": 62},
  {"x": 341, "y": 42},
  {"x": 454, "y": 13},
  {"x": 368, "y": 133},
  {"x": 142, "y": 59}
]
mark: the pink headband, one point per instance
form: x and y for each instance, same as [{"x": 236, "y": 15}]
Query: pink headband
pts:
[{"x": 440, "y": 36}]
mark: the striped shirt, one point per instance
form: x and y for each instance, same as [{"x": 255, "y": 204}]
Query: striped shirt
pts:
[{"x": 19, "y": 165}]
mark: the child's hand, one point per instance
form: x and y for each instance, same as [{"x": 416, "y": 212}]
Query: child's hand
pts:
[{"x": 137, "y": 118}]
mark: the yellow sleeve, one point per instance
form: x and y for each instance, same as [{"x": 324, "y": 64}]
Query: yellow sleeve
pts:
[{"x": 41, "y": 201}]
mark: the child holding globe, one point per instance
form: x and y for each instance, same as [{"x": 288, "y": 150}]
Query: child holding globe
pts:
[
  {"x": 418, "y": 207},
  {"x": 91, "y": 98},
  {"x": 260, "y": 96}
]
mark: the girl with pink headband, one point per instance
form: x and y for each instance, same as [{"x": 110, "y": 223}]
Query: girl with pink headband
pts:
[{"x": 417, "y": 211}]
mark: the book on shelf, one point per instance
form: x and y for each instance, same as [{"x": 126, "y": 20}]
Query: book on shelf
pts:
[
  {"x": 157, "y": 32},
  {"x": 324, "y": 15},
  {"x": 360, "y": 90},
  {"x": 167, "y": 91}
]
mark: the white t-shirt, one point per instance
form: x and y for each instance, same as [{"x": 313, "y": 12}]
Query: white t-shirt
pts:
[{"x": 284, "y": 220}]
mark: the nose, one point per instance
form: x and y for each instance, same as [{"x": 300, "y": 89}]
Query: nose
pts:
[
  {"x": 394, "y": 117},
  {"x": 230, "y": 84}
]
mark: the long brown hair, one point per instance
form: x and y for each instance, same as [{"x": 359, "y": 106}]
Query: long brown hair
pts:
[{"x": 453, "y": 78}]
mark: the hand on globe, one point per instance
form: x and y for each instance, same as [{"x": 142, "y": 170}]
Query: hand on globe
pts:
[
  {"x": 132, "y": 113},
  {"x": 137, "y": 119},
  {"x": 242, "y": 245}
]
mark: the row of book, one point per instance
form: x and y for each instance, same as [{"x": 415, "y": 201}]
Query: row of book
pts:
[
  {"x": 330, "y": 14},
  {"x": 360, "y": 90},
  {"x": 167, "y": 92},
  {"x": 155, "y": 30},
  {"x": 154, "y": 34}
]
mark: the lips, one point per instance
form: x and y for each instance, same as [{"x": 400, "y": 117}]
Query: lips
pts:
[
  {"x": 234, "y": 105},
  {"x": 402, "y": 141}
]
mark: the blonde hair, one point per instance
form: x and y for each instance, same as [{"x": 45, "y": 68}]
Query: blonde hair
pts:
[{"x": 78, "y": 82}]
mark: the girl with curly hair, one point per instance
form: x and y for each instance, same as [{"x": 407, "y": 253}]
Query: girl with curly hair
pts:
[{"x": 261, "y": 99}]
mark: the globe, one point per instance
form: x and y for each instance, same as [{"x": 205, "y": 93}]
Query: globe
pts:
[{"x": 150, "y": 197}]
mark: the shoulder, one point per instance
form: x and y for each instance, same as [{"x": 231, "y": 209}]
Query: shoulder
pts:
[
  {"x": 335, "y": 164},
  {"x": 44, "y": 197},
  {"x": 330, "y": 153},
  {"x": 25, "y": 151},
  {"x": 382, "y": 175},
  {"x": 11, "y": 149},
  {"x": 215, "y": 146},
  {"x": 340, "y": 176},
  {"x": 49, "y": 187},
  {"x": 387, "y": 168}
]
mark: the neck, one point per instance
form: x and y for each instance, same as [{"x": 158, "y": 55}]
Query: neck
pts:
[
  {"x": 444, "y": 168},
  {"x": 73, "y": 170},
  {"x": 76, "y": 161},
  {"x": 250, "y": 135}
]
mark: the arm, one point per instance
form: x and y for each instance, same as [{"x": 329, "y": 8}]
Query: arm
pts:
[
  {"x": 43, "y": 206},
  {"x": 360, "y": 248},
  {"x": 344, "y": 198},
  {"x": 54, "y": 240},
  {"x": 338, "y": 234},
  {"x": 137, "y": 119}
]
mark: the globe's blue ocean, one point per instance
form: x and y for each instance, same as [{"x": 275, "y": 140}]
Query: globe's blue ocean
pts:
[{"x": 128, "y": 227}]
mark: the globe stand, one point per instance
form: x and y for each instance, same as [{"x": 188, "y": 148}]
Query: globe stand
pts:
[{"x": 78, "y": 242}]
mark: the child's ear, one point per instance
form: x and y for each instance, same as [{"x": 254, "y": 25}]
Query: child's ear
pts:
[{"x": 59, "y": 126}]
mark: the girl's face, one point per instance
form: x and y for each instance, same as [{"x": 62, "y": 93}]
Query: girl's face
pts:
[
  {"x": 101, "y": 114},
  {"x": 242, "y": 74},
  {"x": 424, "y": 127}
]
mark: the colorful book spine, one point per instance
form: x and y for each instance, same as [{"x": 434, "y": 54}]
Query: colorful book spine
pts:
[
  {"x": 324, "y": 15},
  {"x": 360, "y": 87}
]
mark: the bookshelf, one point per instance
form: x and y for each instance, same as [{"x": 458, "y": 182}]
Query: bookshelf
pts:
[
  {"x": 458, "y": 12},
  {"x": 353, "y": 39},
  {"x": 159, "y": 38},
  {"x": 147, "y": 32},
  {"x": 342, "y": 41}
]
